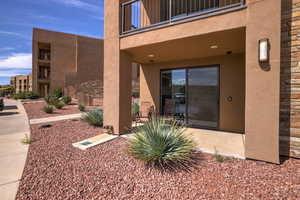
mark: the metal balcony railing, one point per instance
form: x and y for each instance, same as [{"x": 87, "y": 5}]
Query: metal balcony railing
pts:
[{"x": 140, "y": 15}]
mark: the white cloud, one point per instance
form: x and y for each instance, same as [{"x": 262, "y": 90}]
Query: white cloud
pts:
[
  {"x": 13, "y": 34},
  {"x": 79, "y": 4},
  {"x": 16, "y": 60},
  {"x": 6, "y": 48}
]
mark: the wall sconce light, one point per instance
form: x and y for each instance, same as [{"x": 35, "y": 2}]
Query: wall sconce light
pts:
[{"x": 264, "y": 50}]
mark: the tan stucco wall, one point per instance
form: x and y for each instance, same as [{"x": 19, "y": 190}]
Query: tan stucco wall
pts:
[
  {"x": 262, "y": 82},
  {"x": 69, "y": 54},
  {"x": 232, "y": 83},
  {"x": 22, "y": 83}
]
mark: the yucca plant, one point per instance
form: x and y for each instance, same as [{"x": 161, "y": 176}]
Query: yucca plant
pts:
[
  {"x": 48, "y": 109},
  {"x": 93, "y": 117},
  {"x": 81, "y": 108},
  {"x": 59, "y": 105},
  {"x": 66, "y": 99},
  {"x": 161, "y": 143}
]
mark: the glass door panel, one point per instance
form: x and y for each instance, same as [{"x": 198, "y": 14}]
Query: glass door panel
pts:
[
  {"x": 203, "y": 97},
  {"x": 173, "y": 86}
]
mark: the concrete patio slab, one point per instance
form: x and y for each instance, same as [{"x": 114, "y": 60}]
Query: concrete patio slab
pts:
[{"x": 53, "y": 119}]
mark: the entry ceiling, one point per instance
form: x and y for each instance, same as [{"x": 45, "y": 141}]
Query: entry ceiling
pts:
[{"x": 193, "y": 47}]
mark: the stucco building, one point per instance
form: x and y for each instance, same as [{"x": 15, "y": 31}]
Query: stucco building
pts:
[
  {"x": 229, "y": 69},
  {"x": 21, "y": 83},
  {"x": 71, "y": 62}
]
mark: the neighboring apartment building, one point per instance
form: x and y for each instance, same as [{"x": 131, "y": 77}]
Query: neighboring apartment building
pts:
[
  {"x": 71, "y": 62},
  {"x": 230, "y": 69},
  {"x": 21, "y": 83}
]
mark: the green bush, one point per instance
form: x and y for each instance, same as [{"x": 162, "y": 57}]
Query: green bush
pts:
[
  {"x": 59, "y": 105},
  {"x": 66, "y": 99},
  {"x": 48, "y": 109},
  {"x": 81, "y": 108},
  {"x": 161, "y": 144},
  {"x": 135, "y": 109},
  {"x": 31, "y": 95},
  {"x": 58, "y": 92},
  {"x": 20, "y": 95},
  {"x": 51, "y": 100},
  {"x": 93, "y": 117}
]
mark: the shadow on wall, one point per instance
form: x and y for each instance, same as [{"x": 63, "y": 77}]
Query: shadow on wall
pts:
[{"x": 287, "y": 116}]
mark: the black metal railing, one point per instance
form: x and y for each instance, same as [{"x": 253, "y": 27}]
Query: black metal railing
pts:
[{"x": 144, "y": 14}]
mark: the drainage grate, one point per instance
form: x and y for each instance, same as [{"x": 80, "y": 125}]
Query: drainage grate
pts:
[{"x": 86, "y": 143}]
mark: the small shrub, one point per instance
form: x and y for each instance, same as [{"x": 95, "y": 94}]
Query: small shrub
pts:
[
  {"x": 66, "y": 99},
  {"x": 26, "y": 140},
  {"x": 161, "y": 144},
  {"x": 93, "y": 117},
  {"x": 48, "y": 109},
  {"x": 135, "y": 109},
  {"x": 31, "y": 95},
  {"x": 219, "y": 158},
  {"x": 81, "y": 108},
  {"x": 59, "y": 105},
  {"x": 51, "y": 100},
  {"x": 20, "y": 95},
  {"x": 58, "y": 92}
]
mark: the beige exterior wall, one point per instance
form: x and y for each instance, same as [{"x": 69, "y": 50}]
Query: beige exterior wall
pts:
[
  {"x": 69, "y": 54},
  {"x": 22, "y": 83}
]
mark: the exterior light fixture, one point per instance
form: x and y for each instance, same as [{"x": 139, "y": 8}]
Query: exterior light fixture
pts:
[
  {"x": 264, "y": 50},
  {"x": 214, "y": 47},
  {"x": 151, "y": 56}
]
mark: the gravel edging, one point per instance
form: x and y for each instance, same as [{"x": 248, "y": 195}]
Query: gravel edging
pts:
[
  {"x": 35, "y": 110},
  {"x": 56, "y": 170}
]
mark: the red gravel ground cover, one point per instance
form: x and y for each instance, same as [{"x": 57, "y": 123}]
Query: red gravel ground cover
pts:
[
  {"x": 56, "y": 170},
  {"x": 35, "y": 110}
]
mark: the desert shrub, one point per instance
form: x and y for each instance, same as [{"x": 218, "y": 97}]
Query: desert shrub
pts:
[
  {"x": 59, "y": 105},
  {"x": 81, "y": 108},
  {"x": 218, "y": 157},
  {"x": 48, "y": 109},
  {"x": 26, "y": 140},
  {"x": 161, "y": 144},
  {"x": 66, "y": 99},
  {"x": 21, "y": 95},
  {"x": 93, "y": 117},
  {"x": 51, "y": 100},
  {"x": 31, "y": 95},
  {"x": 135, "y": 109},
  {"x": 58, "y": 92}
]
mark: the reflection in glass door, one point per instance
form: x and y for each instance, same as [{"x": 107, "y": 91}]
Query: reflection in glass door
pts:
[
  {"x": 173, "y": 93},
  {"x": 203, "y": 97}
]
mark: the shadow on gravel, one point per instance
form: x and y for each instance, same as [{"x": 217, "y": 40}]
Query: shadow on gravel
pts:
[
  {"x": 10, "y": 107},
  {"x": 8, "y": 113},
  {"x": 186, "y": 165}
]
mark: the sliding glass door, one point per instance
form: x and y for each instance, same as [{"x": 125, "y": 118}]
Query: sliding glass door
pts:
[
  {"x": 191, "y": 95},
  {"x": 203, "y": 97}
]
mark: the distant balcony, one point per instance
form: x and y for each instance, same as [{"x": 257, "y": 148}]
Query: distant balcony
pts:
[{"x": 142, "y": 15}]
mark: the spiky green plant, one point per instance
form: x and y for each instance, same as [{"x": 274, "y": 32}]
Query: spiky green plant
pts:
[
  {"x": 66, "y": 99},
  {"x": 48, "y": 109},
  {"x": 162, "y": 144},
  {"x": 81, "y": 108},
  {"x": 93, "y": 117},
  {"x": 135, "y": 109},
  {"x": 51, "y": 100},
  {"x": 59, "y": 105}
]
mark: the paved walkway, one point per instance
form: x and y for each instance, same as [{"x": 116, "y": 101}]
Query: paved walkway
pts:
[
  {"x": 53, "y": 119},
  {"x": 13, "y": 127}
]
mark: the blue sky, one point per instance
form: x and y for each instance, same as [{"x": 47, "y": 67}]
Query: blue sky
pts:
[{"x": 18, "y": 17}]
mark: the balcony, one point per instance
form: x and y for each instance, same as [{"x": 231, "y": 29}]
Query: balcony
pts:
[{"x": 143, "y": 15}]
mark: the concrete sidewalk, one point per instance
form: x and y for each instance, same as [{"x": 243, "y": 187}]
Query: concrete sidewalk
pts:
[
  {"x": 13, "y": 127},
  {"x": 53, "y": 119}
]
